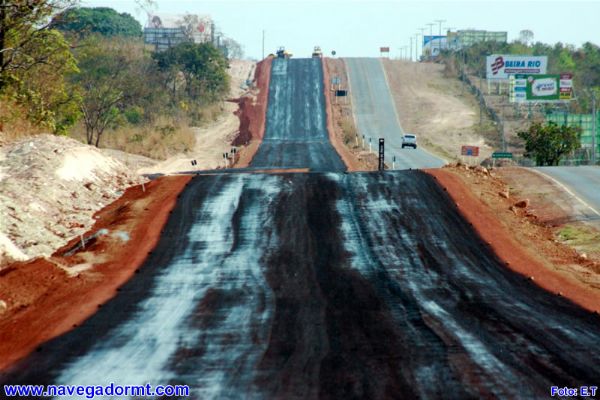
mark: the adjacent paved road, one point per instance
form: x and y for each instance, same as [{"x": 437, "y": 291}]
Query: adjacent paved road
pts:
[
  {"x": 582, "y": 181},
  {"x": 333, "y": 286},
  {"x": 376, "y": 116},
  {"x": 296, "y": 123}
]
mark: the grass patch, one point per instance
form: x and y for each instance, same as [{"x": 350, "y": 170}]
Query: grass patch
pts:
[
  {"x": 14, "y": 124},
  {"x": 583, "y": 237}
]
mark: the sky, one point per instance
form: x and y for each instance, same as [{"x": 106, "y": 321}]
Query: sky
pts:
[{"x": 358, "y": 28}]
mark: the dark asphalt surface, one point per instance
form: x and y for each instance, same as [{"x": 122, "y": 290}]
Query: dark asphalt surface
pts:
[
  {"x": 333, "y": 286},
  {"x": 375, "y": 115},
  {"x": 324, "y": 285},
  {"x": 296, "y": 131}
]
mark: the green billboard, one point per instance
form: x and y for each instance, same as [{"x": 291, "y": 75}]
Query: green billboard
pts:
[{"x": 542, "y": 88}]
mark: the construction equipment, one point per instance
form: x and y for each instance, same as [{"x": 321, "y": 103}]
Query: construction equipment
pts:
[
  {"x": 283, "y": 53},
  {"x": 317, "y": 52}
]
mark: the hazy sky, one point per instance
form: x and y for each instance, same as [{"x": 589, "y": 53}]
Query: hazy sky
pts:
[{"x": 360, "y": 27}]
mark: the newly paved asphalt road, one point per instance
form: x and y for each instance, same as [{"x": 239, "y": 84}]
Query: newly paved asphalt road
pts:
[
  {"x": 331, "y": 286},
  {"x": 376, "y": 117},
  {"x": 324, "y": 286},
  {"x": 296, "y": 124},
  {"x": 582, "y": 181}
]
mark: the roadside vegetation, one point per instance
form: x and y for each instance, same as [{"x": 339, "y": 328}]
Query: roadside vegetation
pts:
[
  {"x": 548, "y": 143},
  {"x": 85, "y": 72}
]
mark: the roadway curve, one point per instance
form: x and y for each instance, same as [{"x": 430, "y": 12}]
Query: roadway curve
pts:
[
  {"x": 334, "y": 286},
  {"x": 376, "y": 117},
  {"x": 296, "y": 123},
  {"x": 583, "y": 182}
]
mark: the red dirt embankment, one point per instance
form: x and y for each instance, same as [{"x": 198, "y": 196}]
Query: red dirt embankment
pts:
[
  {"x": 47, "y": 297},
  {"x": 529, "y": 255},
  {"x": 252, "y": 114}
]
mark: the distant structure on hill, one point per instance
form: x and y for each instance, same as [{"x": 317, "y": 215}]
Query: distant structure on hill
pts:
[
  {"x": 166, "y": 31},
  {"x": 465, "y": 38}
]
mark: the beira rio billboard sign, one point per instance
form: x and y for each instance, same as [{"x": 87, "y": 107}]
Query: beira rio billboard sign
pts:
[{"x": 501, "y": 66}]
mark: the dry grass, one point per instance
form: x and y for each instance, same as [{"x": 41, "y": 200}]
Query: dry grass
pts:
[
  {"x": 159, "y": 141},
  {"x": 13, "y": 123},
  {"x": 348, "y": 131}
]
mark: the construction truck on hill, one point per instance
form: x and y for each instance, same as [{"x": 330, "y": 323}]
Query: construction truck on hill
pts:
[{"x": 283, "y": 53}]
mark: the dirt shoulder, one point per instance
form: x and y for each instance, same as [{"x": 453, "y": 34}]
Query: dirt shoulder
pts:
[
  {"x": 340, "y": 121},
  {"x": 521, "y": 238},
  {"x": 440, "y": 110},
  {"x": 46, "y": 297}
]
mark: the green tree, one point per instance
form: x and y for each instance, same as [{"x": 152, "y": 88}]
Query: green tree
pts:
[
  {"x": 203, "y": 66},
  {"x": 34, "y": 61},
  {"x": 547, "y": 144},
  {"x": 102, "y": 20}
]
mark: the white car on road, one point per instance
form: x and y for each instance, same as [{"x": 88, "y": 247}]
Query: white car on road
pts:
[{"x": 409, "y": 140}]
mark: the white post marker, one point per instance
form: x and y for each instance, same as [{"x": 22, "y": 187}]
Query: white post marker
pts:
[
  {"x": 370, "y": 147},
  {"x": 82, "y": 241}
]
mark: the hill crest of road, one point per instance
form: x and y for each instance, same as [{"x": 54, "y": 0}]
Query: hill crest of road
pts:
[{"x": 296, "y": 133}]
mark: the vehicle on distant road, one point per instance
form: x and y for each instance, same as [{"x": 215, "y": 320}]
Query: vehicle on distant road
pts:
[
  {"x": 317, "y": 53},
  {"x": 409, "y": 140},
  {"x": 283, "y": 53}
]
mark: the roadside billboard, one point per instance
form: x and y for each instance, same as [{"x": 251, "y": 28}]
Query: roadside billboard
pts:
[
  {"x": 501, "y": 66},
  {"x": 541, "y": 88}
]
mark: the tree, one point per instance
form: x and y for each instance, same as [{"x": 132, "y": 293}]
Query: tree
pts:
[
  {"x": 101, "y": 85},
  {"x": 549, "y": 143},
  {"x": 34, "y": 61},
  {"x": 203, "y": 66},
  {"x": 102, "y": 20},
  {"x": 526, "y": 36},
  {"x": 234, "y": 49}
]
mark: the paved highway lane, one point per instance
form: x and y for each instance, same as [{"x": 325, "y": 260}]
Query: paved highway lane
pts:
[
  {"x": 582, "y": 181},
  {"x": 296, "y": 123},
  {"x": 305, "y": 286},
  {"x": 376, "y": 117}
]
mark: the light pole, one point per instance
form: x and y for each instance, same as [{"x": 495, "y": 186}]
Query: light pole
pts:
[
  {"x": 439, "y": 21},
  {"x": 431, "y": 24},
  {"x": 416, "y": 46},
  {"x": 410, "y": 54},
  {"x": 423, "y": 36}
]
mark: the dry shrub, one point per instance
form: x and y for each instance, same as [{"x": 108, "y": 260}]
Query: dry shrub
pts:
[
  {"x": 348, "y": 130},
  {"x": 13, "y": 122},
  {"x": 158, "y": 141}
]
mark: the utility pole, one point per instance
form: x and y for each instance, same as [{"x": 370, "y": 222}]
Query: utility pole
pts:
[
  {"x": 410, "y": 54},
  {"x": 416, "y": 46},
  {"x": 439, "y": 21},
  {"x": 263, "y": 44},
  {"x": 423, "y": 36},
  {"x": 431, "y": 24}
]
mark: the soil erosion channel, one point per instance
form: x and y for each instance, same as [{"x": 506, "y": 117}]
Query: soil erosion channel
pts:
[{"x": 325, "y": 285}]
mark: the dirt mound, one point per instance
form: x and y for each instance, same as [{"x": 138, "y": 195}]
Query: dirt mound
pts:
[
  {"x": 253, "y": 108},
  {"x": 50, "y": 186}
]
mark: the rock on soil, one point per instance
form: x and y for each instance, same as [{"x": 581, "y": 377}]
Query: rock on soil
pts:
[{"x": 50, "y": 187}]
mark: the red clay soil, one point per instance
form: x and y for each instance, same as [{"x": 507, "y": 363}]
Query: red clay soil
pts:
[
  {"x": 45, "y": 301},
  {"x": 515, "y": 254},
  {"x": 347, "y": 157},
  {"x": 252, "y": 114}
]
